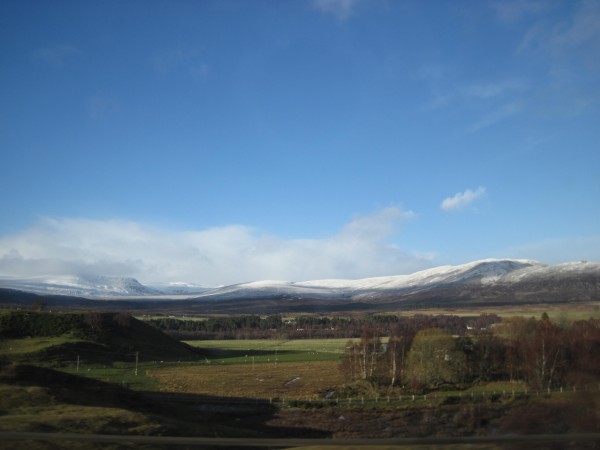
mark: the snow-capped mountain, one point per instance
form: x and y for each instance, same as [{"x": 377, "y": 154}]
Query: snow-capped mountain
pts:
[
  {"x": 81, "y": 285},
  {"x": 504, "y": 277},
  {"x": 501, "y": 281},
  {"x": 178, "y": 288}
]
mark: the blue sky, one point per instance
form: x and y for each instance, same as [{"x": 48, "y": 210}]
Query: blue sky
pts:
[{"x": 228, "y": 141}]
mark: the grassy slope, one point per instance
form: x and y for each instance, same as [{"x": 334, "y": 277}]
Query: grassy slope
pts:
[
  {"x": 99, "y": 337},
  {"x": 44, "y": 400}
]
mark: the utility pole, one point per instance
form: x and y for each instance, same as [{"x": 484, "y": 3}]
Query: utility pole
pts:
[{"x": 137, "y": 356}]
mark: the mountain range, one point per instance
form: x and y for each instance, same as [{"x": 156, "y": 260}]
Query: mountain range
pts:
[{"x": 490, "y": 281}]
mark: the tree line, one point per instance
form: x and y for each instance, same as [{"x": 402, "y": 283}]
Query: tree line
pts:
[
  {"x": 313, "y": 326},
  {"x": 539, "y": 352}
]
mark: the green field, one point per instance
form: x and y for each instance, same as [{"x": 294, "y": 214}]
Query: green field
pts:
[
  {"x": 121, "y": 374},
  {"x": 271, "y": 350}
]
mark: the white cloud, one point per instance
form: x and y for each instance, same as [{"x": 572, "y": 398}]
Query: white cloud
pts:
[
  {"x": 341, "y": 9},
  {"x": 213, "y": 256},
  {"x": 461, "y": 200}
]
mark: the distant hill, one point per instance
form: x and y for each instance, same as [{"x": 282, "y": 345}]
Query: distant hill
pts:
[
  {"x": 97, "y": 335},
  {"x": 491, "y": 282},
  {"x": 97, "y": 286}
]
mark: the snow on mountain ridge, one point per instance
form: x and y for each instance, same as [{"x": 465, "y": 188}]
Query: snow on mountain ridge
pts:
[
  {"x": 86, "y": 285},
  {"x": 483, "y": 272},
  {"x": 476, "y": 274},
  {"x": 488, "y": 269}
]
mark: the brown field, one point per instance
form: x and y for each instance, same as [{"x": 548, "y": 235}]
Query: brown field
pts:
[
  {"x": 291, "y": 380},
  {"x": 557, "y": 311}
]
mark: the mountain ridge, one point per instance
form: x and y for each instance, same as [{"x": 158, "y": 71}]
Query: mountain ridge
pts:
[{"x": 499, "y": 279}]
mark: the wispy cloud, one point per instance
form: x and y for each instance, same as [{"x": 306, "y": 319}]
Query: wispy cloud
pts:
[
  {"x": 461, "y": 200},
  {"x": 559, "y": 37},
  {"x": 494, "y": 89},
  {"x": 221, "y": 255},
  {"x": 494, "y": 116},
  {"x": 481, "y": 103},
  {"x": 567, "y": 50},
  {"x": 512, "y": 11},
  {"x": 55, "y": 55},
  {"x": 340, "y": 9}
]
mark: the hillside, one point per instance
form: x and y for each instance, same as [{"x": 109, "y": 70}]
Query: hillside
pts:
[
  {"x": 100, "y": 336},
  {"x": 38, "y": 399}
]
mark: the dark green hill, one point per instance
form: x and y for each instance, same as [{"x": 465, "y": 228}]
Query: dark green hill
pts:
[{"x": 101, "y": 337}]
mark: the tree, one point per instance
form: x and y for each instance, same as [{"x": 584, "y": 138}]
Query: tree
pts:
[
  {"x": 544, "y": 354},
  {"x": 583, "y": 351},
  {"x": 488, "y": 356},
  {"x": 361, "y": 359},
  {"x": 434, "y": 359},
  {"x": 397, "y": 350}
]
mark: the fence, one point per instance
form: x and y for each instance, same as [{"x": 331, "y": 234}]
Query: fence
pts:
[{"x": 378, "y": 401}]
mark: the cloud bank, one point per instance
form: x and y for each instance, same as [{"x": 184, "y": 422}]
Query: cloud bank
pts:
[
  {"x": 461, "y": 200},
  {"x": 214, "y": 256}
]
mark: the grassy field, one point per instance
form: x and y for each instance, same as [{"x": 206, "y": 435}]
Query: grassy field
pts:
[
  {"x": 19, "y": 347},
  {"x": 121, "y": 374},
  {"x": 259, "y": 351},
  {"x": 290, "y": 380},
  {"x": 262, "y": 368}
]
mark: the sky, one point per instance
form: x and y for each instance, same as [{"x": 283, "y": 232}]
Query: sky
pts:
[{"x": 218, "y": 142}]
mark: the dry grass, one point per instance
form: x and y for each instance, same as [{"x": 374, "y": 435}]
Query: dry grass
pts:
[
  {"x": 558, "y": 311},
  {"x": 294, "y": 380}
]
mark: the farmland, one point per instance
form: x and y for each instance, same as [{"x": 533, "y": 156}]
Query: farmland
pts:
[
  {"x": 270, "y": 350},
  {"x": 290, "y": 380},
  {"x": 133, "y": 379},
  {"x": 260, "y": 368}
]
